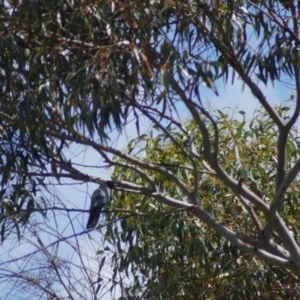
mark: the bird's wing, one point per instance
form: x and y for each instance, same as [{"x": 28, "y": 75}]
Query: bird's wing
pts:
[{"x": 100, "y": 197}]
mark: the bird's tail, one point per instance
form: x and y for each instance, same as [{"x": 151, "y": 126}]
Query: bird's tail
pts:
[{"x": 94, "y": 217}]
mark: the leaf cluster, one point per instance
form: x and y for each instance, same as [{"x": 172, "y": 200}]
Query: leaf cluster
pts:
[{"x": 169, "y": 254}]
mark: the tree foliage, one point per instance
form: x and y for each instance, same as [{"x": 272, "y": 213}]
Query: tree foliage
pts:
[
  {"x": 169, "y": 253},
  {"x": 74, "y": 72}
]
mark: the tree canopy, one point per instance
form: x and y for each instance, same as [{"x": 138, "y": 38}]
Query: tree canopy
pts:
[
  {"x": 178, "y": 257},
  {"x": 73, "y": 73}
]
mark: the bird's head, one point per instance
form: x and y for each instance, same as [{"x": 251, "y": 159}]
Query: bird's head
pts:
[{"x": 110, "y": 184}]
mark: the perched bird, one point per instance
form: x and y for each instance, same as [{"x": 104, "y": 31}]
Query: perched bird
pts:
[{"x": 101, "y": 197}]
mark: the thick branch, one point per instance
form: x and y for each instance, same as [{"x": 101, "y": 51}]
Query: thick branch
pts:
[{"x": 235, "y": 240}]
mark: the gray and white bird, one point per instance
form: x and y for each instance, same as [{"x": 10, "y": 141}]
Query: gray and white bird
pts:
[{"x": 101, "y": 197}]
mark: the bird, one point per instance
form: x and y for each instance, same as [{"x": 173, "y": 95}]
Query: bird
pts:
[{"x": 100, "y": 197}]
